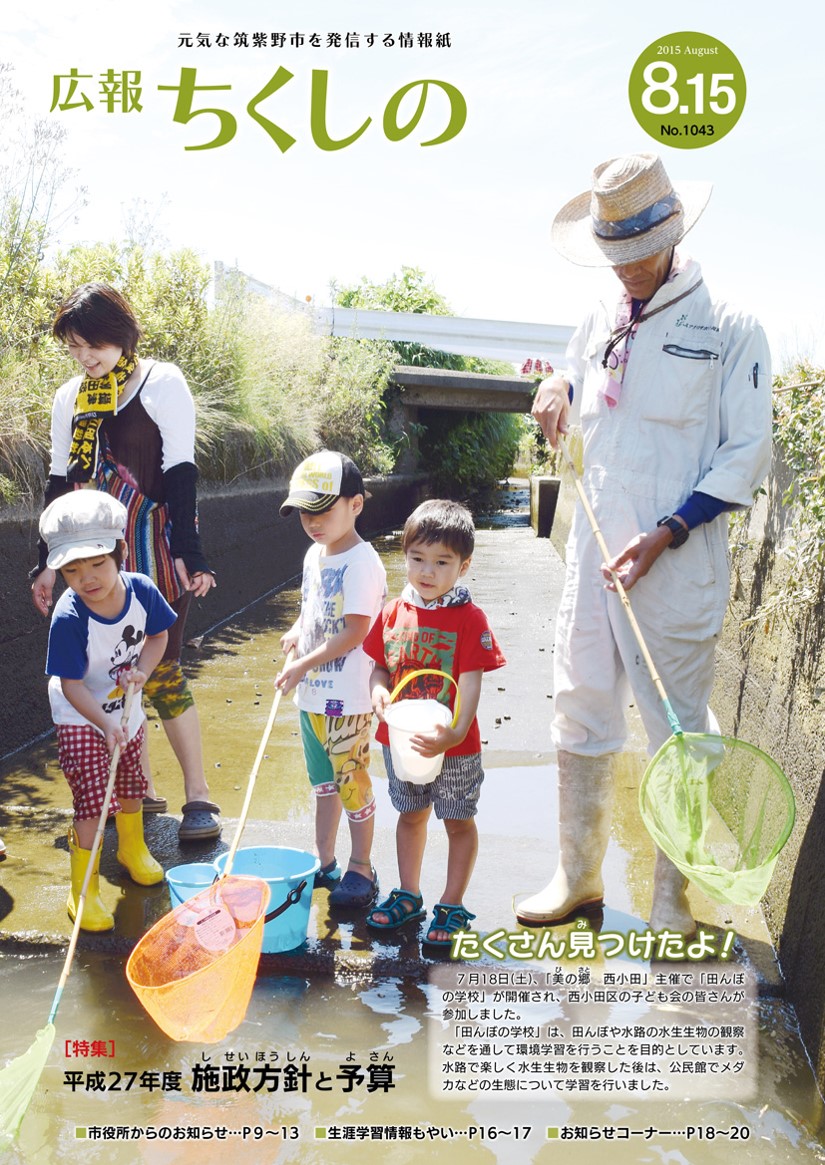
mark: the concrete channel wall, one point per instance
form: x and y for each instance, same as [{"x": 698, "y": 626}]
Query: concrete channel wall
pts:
[
  {"x": 769, "y": 687},
  {"x": 251, "y": 548},
  {"x": 770, "y": 691}
]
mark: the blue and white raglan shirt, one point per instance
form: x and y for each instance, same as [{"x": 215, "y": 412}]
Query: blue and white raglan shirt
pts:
[{"x": 83, "y": 646}]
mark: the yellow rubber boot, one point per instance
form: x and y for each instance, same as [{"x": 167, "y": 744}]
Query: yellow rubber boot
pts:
[
  {"x": 132, "y": 852},
  {"x": 95, "y": 915}
]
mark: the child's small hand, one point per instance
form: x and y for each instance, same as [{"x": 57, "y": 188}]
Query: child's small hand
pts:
[
  {"x": 435, "y": 742},
  {"x": 291, "y": 676},
  {"x": 133, "y": 676},
  {"x": 289, "y": 640},
  {"x": 114, "y": 735},
  {"x": 380, "y": 701}
]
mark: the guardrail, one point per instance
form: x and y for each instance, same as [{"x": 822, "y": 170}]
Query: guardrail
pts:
[{"x": 494, "y": 339}]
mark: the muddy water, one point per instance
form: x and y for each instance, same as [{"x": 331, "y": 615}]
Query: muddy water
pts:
[
  {"x": 336, "y": 1022},
  {"x": 341, "y": 1023}
]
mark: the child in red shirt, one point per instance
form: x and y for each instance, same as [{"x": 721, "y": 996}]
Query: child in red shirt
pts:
[{"x": 434, "y": 625}]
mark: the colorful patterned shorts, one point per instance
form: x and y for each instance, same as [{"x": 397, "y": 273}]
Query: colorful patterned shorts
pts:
[
  {"x": 85, "y": 761},
  {"x": 337, "y": 755}
]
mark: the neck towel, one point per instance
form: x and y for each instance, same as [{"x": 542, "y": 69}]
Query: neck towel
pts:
[
  {"x": 630, "y": 314},
  {"x": 96, "y": 399},
  {"x": 456, "y": 596}
]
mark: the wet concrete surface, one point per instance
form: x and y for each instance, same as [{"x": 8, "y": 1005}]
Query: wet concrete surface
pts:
[{"x": 348, "y": 988}]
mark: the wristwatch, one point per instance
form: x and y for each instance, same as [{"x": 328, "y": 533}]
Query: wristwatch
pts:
[{"x": 679, "y": 531}]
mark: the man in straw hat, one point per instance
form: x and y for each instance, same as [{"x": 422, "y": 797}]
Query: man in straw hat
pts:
[{"x": 673, "y": 390}]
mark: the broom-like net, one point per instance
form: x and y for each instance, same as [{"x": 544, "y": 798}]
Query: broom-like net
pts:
[
  {"x": 18, "y": 1082},
  {"x": 721, "y": 810}
]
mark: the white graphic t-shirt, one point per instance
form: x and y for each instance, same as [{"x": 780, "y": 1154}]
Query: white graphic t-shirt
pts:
[{"x": 336, "y": 585}]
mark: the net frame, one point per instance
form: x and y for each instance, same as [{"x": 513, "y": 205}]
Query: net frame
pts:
[
  {"x": 193, "y": 990},
  {"x": 721, "y": 809},
  {"x": 154, "y": 990}
]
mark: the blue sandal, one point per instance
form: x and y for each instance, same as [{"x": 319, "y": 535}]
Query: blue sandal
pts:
[
  {"x": 449, "y": 918},
  {"x": 396, "y": 911}
]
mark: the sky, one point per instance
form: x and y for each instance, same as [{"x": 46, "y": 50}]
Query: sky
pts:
[{"x": 545, "y": 83}]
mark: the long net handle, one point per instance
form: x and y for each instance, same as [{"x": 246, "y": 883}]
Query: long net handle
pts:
[
  {"x": 253, "y": 776},
  {"x": 98, "y": 838},
  {"x": 673, "y": 720}
]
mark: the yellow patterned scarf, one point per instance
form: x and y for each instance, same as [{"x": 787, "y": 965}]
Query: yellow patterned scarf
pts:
[{"x": 95, "y": 400}]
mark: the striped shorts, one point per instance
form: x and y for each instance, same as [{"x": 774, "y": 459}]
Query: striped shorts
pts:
[{"x": 453, "y": 794}]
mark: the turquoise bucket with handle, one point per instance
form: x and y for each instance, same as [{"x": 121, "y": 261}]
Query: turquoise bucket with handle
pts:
[
  {"x": 290, "y": 875},
  {"x": 186, "y": 881}
]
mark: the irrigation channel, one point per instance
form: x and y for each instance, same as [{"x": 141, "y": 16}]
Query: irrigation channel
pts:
[{"x": 325, "y": 1022}]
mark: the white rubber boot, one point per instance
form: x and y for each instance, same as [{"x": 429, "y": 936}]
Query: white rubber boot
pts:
[
  {"x": 670, "y": 909},
  {"x": 585, "y": 808}
]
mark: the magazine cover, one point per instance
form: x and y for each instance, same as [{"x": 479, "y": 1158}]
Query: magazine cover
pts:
[{"x": 298, "y": 200}]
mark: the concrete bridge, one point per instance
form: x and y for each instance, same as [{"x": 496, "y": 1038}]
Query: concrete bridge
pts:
[{"x": 439, "y": 388}]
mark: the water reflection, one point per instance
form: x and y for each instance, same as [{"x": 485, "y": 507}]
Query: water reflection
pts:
[{"x": 331, "y": 1027}]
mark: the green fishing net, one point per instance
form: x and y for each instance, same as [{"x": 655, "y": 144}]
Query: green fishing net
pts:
[
  {"x": 721, "y": 810},
  {"x": 18, "y": 1083}
]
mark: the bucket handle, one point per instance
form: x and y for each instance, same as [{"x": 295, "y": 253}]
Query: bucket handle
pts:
[
  {"x": 429, "y": 671},
  {"x": 290, "y": 900}
]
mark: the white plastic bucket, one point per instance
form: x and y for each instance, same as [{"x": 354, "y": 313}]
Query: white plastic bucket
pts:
[{"x": 406, "y": 719}]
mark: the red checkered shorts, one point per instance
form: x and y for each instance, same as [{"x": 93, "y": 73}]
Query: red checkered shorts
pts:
[{"x": 82, "y": 755}]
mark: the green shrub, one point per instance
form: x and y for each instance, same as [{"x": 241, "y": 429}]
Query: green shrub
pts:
[
  {"x": 270, "y": 401},
  {"x": 466, "y": 456},
  {"x": 351, "y": 411},
  {"x": 799, "y": 431}
]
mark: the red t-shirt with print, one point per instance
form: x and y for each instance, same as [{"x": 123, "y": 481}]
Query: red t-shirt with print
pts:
[{"x": 454, "y": 640}]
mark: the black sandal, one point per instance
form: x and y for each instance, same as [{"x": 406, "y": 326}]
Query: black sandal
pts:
[{"x": 200, "y": 821}]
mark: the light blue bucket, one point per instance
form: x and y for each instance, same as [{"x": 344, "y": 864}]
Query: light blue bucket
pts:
[
  {"x": 184, "y": 881},
  {"x": 290, "y": 875}
]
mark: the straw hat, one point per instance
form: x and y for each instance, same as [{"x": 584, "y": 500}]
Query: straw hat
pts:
[{"x": 631, "y": 213}]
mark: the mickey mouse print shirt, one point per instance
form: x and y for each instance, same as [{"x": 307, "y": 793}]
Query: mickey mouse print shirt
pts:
[{"x": 83, "y": 646}]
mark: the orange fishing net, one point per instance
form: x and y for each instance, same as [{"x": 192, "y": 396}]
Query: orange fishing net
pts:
[{"x": 195, "y": 969}]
